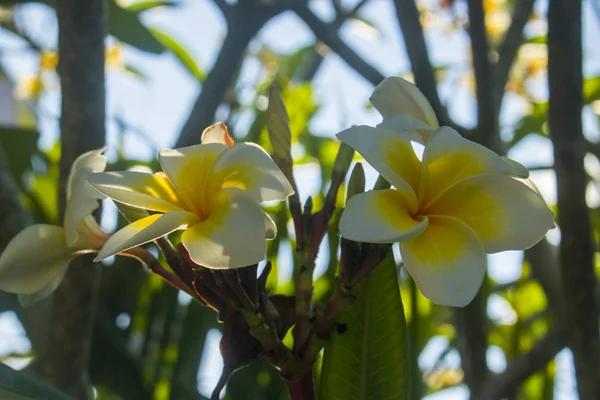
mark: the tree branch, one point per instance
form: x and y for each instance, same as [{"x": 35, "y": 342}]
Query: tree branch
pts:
[
  {"x": 509, "y": 48},
  {"x": 328, "y": 35},
  {"x": 82, "y": 29},
  {"x": 577, "y": 246},
  {"x": 506, "y": 384},
  {"x": 244, "y": 21}
]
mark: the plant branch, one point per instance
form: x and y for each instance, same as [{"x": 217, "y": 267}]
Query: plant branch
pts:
[
  {"x": 81, "y": 33},
  {"x": 329, "y": 36},
  {"x": 577, "y": 245},
  {"x": 506, "y": 384},
  {"x": 513, "y": 39}
]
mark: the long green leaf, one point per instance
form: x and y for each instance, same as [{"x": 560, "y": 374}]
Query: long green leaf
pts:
[
  {"x": 181, "y": 53},
  {"x": 366, "y": 359},
  {"x": 15, "y": 385},
  {"x": 18, "y": 145},
  {"x": 126, "y": 26}
]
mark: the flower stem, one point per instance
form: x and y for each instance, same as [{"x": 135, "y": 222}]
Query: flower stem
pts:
[{"x": 303, "y": 389}]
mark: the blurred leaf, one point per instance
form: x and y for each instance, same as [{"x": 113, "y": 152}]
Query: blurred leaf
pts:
[
  {"x": 126, "y": 26},
  {"x": 591, "y": 89},
  {"x": 534, "y": 122},
  {"x": 181, "y": 53},
  {"x": 134, "y": 71},
  {"x": 18, "y": 145},
  {"x": 540, "y": 39},
  {"x": 15, "y": 385},
  {"x": 278, "y": 125},
  {"x": 367, "y": 357},
  {"x": 142, "y": 6}
]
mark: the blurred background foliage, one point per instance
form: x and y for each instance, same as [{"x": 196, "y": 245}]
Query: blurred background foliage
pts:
[{"x": 149, "y": 341}]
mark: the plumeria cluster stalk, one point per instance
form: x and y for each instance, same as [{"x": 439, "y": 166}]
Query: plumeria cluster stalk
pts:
[{"x": 447, "y": 209}]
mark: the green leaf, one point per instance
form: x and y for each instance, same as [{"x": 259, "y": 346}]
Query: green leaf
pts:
[
  {"x": 142, "y": 6},
  {"x": 369, "y": 359},
  {"x": 15, "y": 385},
  {"x": 126, "y": 26},
  {"x": 18, "y": 145},
  {"x": 181, "y": 53},
  {"x": 591, "y": 89}
]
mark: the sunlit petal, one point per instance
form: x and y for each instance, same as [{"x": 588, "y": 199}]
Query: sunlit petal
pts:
[
  {"x": 217, "y": 133},
  {"x": 446, "y": 261},
  {"x": 232, "y": 237},
  {"x": 449, "y": 158},
  {"x": 138, "y": 189},
  {"x": 82, "y": 198},
  {"x": 390, "y": 153},
  {"x": 34, "y": 259},
  {"x": 145, "y": 230},
  {"x": 504, "y": 213},
  {"x": 379, "y": 216},
  {"x": 517, "y": 169},
  {"x": 398, "y": 96},
  {"x": 248, "y": 167},
  {"x": 27, "y": 300},
  {"x": 187, "y": 168},
  {"x": 270, "y": 227},
  {"x": 405, "y": 123}
]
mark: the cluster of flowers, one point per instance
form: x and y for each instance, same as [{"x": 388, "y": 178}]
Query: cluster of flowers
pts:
[{"x": 447, "y": 209}]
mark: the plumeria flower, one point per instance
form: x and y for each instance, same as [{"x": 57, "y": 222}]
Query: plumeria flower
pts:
[
  {"x": 36, "y": 260},
  {"x": 404, "y": 108},
  {"x": 211, "y": 191},
  {"x": 447, "y": 211}
]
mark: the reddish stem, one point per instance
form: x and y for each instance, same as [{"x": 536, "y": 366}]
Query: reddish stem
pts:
[{"x": 303, "y": 389}]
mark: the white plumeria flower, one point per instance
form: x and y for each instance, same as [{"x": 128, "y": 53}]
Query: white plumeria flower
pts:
[
  {"x": 404, "y": 108},
  {"x": 36, "y": 260},
  {"x": 447, "y": 211},
  {"x": 212, "y": 191}
]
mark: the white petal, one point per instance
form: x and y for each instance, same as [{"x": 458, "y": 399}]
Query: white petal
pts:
[
  {"x": 217, "y": 133},
  {"x": 504, "y": 213},
  {"x": 390, "y": 153},
  {"x": 34, "y": 259},
  {"x": 270, "y": 227},
  {"x": 232, "y": 237},
  {"x": 405, "y": 123},
  {"x": 446, "y": 261},
  {"x": 187, "y": 168},
  {"x": 248, "y": 167},
  {"x": 138, "y": 189},
  {"x": 379, "y": 216},
  {"x": 398, "y": 96},
  {"x": 145, "y": 230},
  {"x": 82, "y": 198},
  {"x": 518, "y": 170},
  {"x": 448, "y": 158},
  {"x": 27, "y": 300}
]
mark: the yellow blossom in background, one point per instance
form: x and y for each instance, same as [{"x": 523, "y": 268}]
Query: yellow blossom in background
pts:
[
  {"x": 48, "y": 60},
  {"x": 447, "y": 210},
  {"x": 211, "y": 191},
  {"x": 115, "y": 57},
  {"x": 29, "y": 87}
]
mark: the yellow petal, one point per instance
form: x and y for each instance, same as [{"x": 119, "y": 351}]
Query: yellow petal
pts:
[
  {"x": 270, "y": 227},
  {"x": 390, "y": 153},
  {"x": 248, "y": 167},
  {"x": 217, "y": 133},
  {"x": 145, "y": 230},
  {"x": 138, "y": 189},
  {"x": 446, "y": 261},
  {"x": 504, "y": 213},
  {"x": 379, "y": 216},
  {"x": 82, "y": 198},
  {"x": 449, "y": 158},
  {"x": 34, "y": 259},
  {"x": 233, "y": 236},
  {"x": 398, "y": 96},
  {"x": 187, "y": 168},
  {"x": 405, "y": 123}
]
